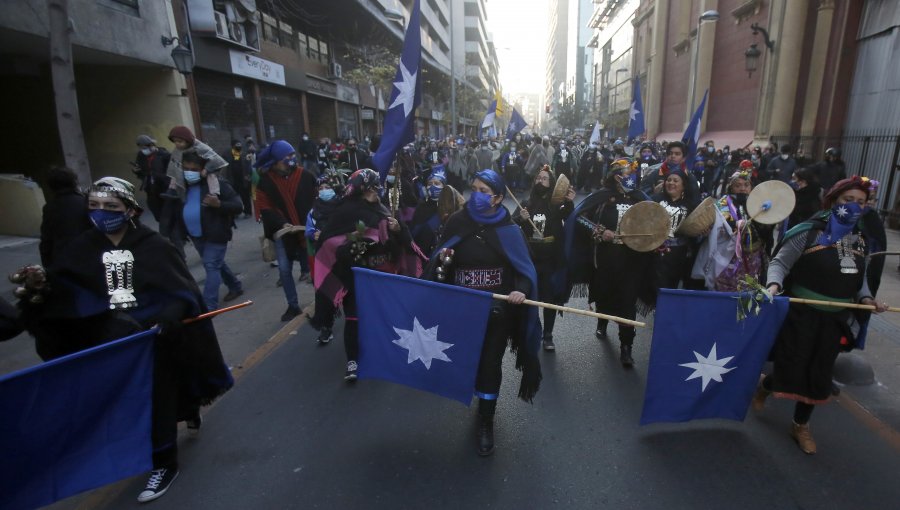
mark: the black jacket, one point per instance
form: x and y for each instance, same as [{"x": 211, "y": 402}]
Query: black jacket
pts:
[{"x": 217, "y": 222}]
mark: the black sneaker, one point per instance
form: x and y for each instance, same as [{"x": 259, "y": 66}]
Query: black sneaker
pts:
[
  {"x": 548, "y": 344},
  {"x": 233, "y": 294},
  {"x": 325, "y": 335},
  {"x": 193, "y": 424},
  {"x": 159, "y": 482},
  {"x": 290, "y": 313},
  {"x": 601, "y": 335},
  {"x": 303, "y": 277},
  {"x": 350, "y": 376}
]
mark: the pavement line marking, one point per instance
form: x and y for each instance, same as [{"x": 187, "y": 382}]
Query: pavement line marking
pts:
[
  {"x": 882, "y": 429},
  {"x": 104, "y": 496}
]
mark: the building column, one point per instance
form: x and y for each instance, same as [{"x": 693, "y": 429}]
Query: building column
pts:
[
  {"x": 653, "y": 109},
  {"x": 707, "y": 40},
  {"x": 790, "y": 48},
  {"x": 817, "y": 67}
]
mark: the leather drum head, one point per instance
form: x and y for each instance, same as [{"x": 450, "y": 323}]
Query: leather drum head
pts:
[
  {"x": 648, "y": 219},
  {"x": 700, "y": 219},
  {"x": 771, "y": 202},
  {"x": 449, "y": 201},
  {"x": 560, "y": 190}
]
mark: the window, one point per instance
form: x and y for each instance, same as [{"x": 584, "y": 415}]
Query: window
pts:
[{"x": 127, "y": 6}]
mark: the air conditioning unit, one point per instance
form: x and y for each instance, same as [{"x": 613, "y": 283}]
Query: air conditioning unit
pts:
[
  {"x": 221, "y": 24},
  {"x": 236, "y": 31},
  {"x": 336, "y": 70}
]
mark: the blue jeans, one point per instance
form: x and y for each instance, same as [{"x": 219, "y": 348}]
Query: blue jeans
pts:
[
  {"x": 285, "y": 270},
  {"x": 217, "y": 271}
]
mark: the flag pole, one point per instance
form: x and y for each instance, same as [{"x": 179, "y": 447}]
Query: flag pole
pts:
[
  {"x": 213, "y": 313},
  {"x": 578, "y": 311},
  {"x": 838, "y": 304}
]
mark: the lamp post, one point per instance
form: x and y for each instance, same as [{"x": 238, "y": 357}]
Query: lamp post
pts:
[
  {"x": 710, "y": 15},
  {"x": 752, "y": 54},
  {"x": 615, "y": 104},
  {"x": 452, "y": 76},
  {"x": 181, "y": 54}
]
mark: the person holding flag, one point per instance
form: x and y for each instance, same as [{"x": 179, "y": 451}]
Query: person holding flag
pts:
[
  {"x": 824, "y": 259},
  {"x": 120, "y": 278},
  {"x": 426, "y": 221},
  {"x": 485, "y": 250}
]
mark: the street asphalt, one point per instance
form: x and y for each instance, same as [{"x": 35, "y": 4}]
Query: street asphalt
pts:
[{"x": 293, "y": 434}]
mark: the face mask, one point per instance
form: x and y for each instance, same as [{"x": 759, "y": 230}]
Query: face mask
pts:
[
  {"x": 326, "y": 194},
  {"x": 305, "y": 138},
  {"x": 740, "y": 198},
  {"x": 795, "y": 185},
  {"x": 434, "y": 191},
  {"x": 108, "y": 222},
  {"x": 710, "y": 149},
  {"x": 147, "y": 151},
  {"x": 481, "y": 202},
  {"x": 784, "y": 156},
  {"x": 191, "y": 176},
  {"x": 754, "y": 158},
  {"x": 846, "y": 214},
  {"x": 291, "y": 163},
  {"x": 390, "y": 179}
]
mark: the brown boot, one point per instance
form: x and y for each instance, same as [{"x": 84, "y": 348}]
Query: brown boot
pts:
[
  {"x": 759, "y": 398},
  {"x": 804, "y": 439}
]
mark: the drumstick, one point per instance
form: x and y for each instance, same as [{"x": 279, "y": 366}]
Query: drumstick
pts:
[
  {"x": 520, "y": 207},
  {"x": 879, "y": 253},
  {"x": 560, "y": 308},
  {"x": 633, "y": 235}
]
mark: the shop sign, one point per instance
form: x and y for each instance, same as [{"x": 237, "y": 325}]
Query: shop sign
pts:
[
  {"x": 250, "y": 66},
  {"x": 368, "y": 114},
  {"x": 319, "y": 86},
  {"x": 347, "y": 93}
]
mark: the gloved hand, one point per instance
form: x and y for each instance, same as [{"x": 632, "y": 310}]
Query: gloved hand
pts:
[
  {"x": 169, "y": 320},
  {"x": 33, "y": 281}
]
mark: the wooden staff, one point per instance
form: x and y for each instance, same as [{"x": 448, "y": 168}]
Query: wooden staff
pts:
[
  {"x": 551, "y": 306},
  {"x": 880, "y": 253},
  {"x": 520, "y": 207},
  {"x": 213, "y": 313},
  {"x": 838, "y": 304}
]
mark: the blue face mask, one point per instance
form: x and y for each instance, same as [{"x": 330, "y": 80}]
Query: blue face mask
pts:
[
  {"x": 326, "y": 194},
  {"x": 191, "y": 176},
  {"x": 434, "y": 191},
  {"x": 108, "y": 222},
  {"x": 390, "y": 179},
  {"x": 481, "y": 202},
  {"x": 847, "y": 214}
]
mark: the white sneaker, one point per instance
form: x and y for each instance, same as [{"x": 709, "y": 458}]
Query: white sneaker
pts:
[{"x": 159, "y": 482}]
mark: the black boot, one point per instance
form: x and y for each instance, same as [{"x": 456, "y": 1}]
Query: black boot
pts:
[
  {"x": 625, "y": 356},
  {"x": 486, "y": 410}
]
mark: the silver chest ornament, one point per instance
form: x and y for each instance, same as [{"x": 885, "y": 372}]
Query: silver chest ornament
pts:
[
  {"x": 540, "y": 221},
  {"x": 563, "y": 155},
  {"x": 120, "y": 279},
  {"x": 677, "y": 214}
]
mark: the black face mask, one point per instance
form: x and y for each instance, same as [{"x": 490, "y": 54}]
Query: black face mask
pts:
[{"x": 739, "y": 198}]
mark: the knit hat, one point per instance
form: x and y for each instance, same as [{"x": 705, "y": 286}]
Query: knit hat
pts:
[
  {"x": 275, "y": 152},
  {"x": 746, "y": 164},
  {"x": 855, "y": 182},
  {"x": 362, "y": 180},
  {"x": 143, "y": 140},
  {"x": 182, "y": 132}
]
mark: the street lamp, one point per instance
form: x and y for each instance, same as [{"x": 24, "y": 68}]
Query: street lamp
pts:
[
  {"x": 615, "y": 107},
  {"x": 181, "y": 54},
  {"x": 709, "y": 15},
  {"x": 751, "y": 56}
]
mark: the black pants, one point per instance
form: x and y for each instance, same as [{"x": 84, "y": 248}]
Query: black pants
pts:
[
  {"x": 164, "y": 421},
  {"x": 351, "y": 327},
  {"x": 325, "y": 311},
  {"x": 615, "y": 285},
  {"x": 490, "y": 366}
]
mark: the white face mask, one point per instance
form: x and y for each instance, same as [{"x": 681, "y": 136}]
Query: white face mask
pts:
[
  {"x": 784, "y": 156},
  {"x": 146, "y": 151}
]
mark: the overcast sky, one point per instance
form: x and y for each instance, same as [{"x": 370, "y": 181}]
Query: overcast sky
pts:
[{"x": 520, "y": 34}]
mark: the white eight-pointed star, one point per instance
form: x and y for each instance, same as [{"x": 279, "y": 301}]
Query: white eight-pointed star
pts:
[
  {"x": 842, "y": 211},
  {"x": 407, "y": 90},
  {"x": 708, "y": 368},
  {"x": 422, "y": 344},
  {"x": 634, "y": 111}
]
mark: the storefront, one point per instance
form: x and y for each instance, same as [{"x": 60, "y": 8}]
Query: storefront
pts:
[{"x": 320, "y": 104}]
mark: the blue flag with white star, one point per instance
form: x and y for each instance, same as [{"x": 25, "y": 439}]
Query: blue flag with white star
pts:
[
  {"x": 516, "y": 123},
  {"x": 76, "y": 423},
  {"x": 704, "y": 362},
  {"x": 421, "y": 334},
  {"x": 406, "y": 95},
  {"x": 636, "y": 115},
  {"x": 691, "y": 136}
]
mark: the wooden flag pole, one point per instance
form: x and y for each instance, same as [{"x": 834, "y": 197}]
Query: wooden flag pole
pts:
[
  {"x": 213, "y": 313},
  {"x": 551, "y": 306},
  {"x": 838, "y": 304},
  {"x": 879, "y": 253}
]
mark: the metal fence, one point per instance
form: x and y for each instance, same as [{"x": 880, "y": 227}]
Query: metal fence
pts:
[{"x": 873, "y": 154}]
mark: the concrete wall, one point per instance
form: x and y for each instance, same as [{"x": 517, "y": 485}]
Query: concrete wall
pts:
[
  {"x": 119, "y": 103},
  {"x": 99, "y": 26}
]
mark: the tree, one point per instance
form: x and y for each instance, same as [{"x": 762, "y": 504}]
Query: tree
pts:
[
  {"x": 567, "y": 115},
  {"x": 62, "y": 71},
  {"x": 370, "y": 64}
]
